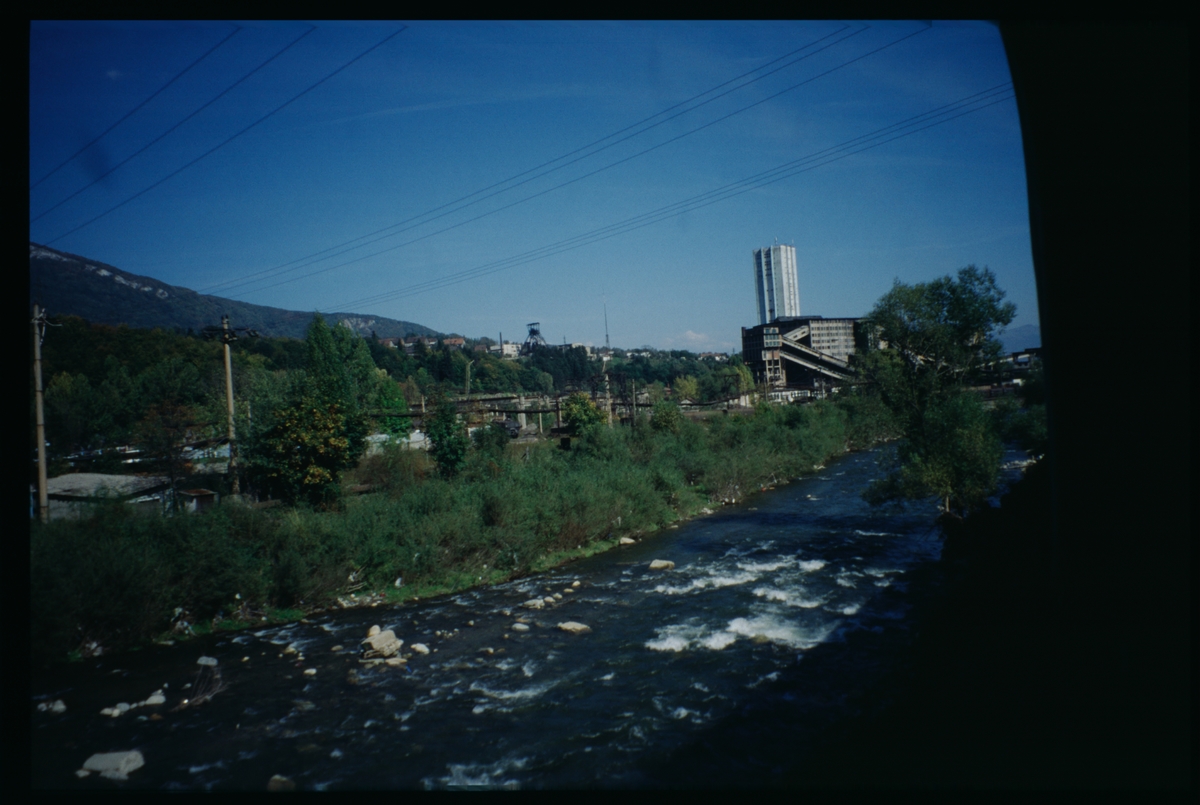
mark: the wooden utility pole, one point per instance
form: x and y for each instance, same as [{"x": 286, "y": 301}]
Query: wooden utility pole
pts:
[
  {"x": 39, "y": 327},
  {"x": 228, "y": 335},
  {"x": 607, "y": 400}
]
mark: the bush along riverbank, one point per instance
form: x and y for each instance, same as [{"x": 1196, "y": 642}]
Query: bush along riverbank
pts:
[{"x": 117, "y": 580}]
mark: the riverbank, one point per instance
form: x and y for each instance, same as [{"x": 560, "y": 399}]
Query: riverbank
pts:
[
  {"x": 808, "y": 571},
  {"x": 117, "y": 581}
]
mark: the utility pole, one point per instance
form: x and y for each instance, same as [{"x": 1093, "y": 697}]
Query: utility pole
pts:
[
  {"x": 467, "y": 387},
  {"x": 607, "y": 348},
  {"x": 607, "y": 399},
  {"x": 228, "y": 335},
  {"x": 39, "y": 329}
]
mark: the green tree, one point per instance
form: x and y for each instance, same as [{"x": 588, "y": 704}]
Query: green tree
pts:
[
  {"x": 580, "y": 413},
  {"x": 929, "y": 341},
  {"x": 389, "y": 401},
  {"x": 954, "y": 455},
  {"x": 449, "y": 448},
  {"x": 340, "y": 372},
  {"x": 666, "y": 416},
  {"x": 932, "y": 337},
  {"x": 301, "y": 456},
  {"x": 686, "y": 388}
]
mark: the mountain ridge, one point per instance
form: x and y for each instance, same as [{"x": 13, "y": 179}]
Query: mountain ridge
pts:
[{"x": 70, "y": 284}]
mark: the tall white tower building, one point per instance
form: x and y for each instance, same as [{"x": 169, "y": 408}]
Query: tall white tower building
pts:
[{"x": 775, "y": 282}]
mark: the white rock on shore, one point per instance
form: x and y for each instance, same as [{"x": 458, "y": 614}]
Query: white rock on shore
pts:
[
  {"x": 115, "y": 765},
  {"x": 56, "y": 706},
  {"x": 627, "y": 541}
]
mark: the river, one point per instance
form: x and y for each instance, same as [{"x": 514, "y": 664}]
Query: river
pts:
[{"x": 781, "y": 616}]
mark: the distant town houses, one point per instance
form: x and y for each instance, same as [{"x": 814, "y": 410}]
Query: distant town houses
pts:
[{"x": 410, "y": 342}]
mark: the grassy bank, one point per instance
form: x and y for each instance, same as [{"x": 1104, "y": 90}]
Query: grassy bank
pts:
[{"x": 119, "y": 579}]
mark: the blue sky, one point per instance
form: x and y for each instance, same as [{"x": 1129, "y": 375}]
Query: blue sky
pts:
[{"x": 397, "y": 142}]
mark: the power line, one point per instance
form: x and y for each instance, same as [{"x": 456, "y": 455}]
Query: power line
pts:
[
  {"x": 228, "y": 139},
  {"x": 895, "y": 131},
  {"x": 555, "y": 187},
  {"x": 234, "y": 283},
  {"x": 236, "y": 29},
  {"x": 222, "y": 94}
]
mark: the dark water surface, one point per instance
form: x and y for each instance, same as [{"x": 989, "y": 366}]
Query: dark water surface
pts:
[{"x": 777, "y": 617}]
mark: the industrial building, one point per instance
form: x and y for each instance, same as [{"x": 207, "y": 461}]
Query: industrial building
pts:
[
  {"x": 810, "y": 352},
  {"x": 775, "y": 282}
]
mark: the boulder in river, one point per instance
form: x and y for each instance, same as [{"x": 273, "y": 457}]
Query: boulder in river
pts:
[
  {"x": 520, "y": 627},
  {"x": 420, "y": 648},
  {"x": 374, "y": 630},
  {"x": 280, "y": 783},
  {"x": 115, "y": 765},
  {"x": 381, "y": 644},
  {"x": 535, "y": 603},
  {"x": 574, "y": 628},
  {"x": 662, "y": 564}
]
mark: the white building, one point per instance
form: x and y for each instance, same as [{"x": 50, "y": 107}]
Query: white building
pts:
[{"x": 775, "y": 282}]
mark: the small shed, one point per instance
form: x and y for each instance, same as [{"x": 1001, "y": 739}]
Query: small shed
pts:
[
  {"x": 75, "y": 495},
  {"x": 196, "y": 500}
]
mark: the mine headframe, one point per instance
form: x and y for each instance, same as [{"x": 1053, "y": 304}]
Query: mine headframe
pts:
[{"x": 534, "y": 339}]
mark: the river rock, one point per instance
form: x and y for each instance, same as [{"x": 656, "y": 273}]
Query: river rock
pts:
[
  {"x": 575, "y": 584},
  {"x": 548, "y": 599},
  {"x": 374, "y": 630},
  {"x": 420, "y": 648},
  {"x": 574, "y": 627},
  {"x": 310, "y": 671},
  {"x": 395, "y": 662},
  {"x": 280, "y": 783},
  {"x": 558, "y": 596},
  {"x": 627, "y": 541},
  {"x": 155, "y": 698},
  {"x": 209, "y": 661},
  {"x": 382, "y": 644},
  {"x": 520, "y": 627},
  {"x": 662, "y": 564},
  {"x": 534, "y": 603},
  {"x": 115, "y": 765}
]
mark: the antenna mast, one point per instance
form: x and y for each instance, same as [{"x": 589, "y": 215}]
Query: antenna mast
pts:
[{"x": 606, "y": 346}]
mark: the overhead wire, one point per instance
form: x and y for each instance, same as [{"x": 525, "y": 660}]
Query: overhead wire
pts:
[
  {"x": 895, "y": 131},
  {"x": 141, "y": 150},
  {"x": 130, "y": 113},
  {"x": 236, "y": 284},
  {"x": 239, "y": 281},
  {"x": 229, "y": 139}
]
